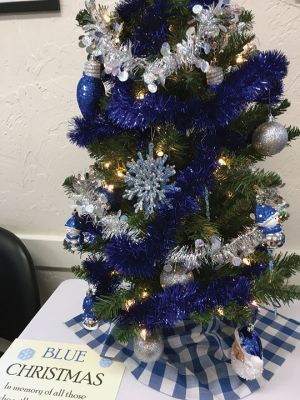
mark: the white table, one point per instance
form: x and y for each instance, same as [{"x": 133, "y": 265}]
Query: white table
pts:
[{"x": 66, "y": 302}]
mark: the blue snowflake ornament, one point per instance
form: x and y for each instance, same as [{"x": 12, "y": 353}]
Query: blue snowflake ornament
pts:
[{"x": 148, "y": 181}]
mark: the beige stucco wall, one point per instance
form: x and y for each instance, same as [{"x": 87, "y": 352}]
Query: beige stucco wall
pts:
[{"x": 40, "y": 66}]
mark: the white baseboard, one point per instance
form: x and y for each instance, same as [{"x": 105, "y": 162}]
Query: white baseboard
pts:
[{"x": 48, "y": 252}]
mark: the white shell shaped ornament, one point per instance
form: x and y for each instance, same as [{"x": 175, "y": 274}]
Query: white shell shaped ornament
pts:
[
  {"x": 246, "y": 355},
  {"x": 270, "y": 138}
]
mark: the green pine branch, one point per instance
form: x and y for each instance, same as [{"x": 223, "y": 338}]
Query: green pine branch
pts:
[
  {"x": 203, "y": 318},
  {"x": 293, "y": 132},
  {"x": 229, "y": 225},
  {"x": 68, "y": 183},
  {"x": 236, "y": 313},
  {"x": 231, "y": 312},
  {"x": 247, "y": 17},
  {"x": 108, "y": 308},
  {"x": 287, "y": 264},
  {"x": 84, "y": 18},
  {"x": 235, "y": 46},
  {"x": 243, "y": 181},
  {"x": 79, "y": 272},
  {"x": 194, "y": 227},
  {"x": 123, "y": 334},
  {"x": 254, "y": 116},
  {"x": 273, "y": 286},
  {"x": 116, "y": 150}
]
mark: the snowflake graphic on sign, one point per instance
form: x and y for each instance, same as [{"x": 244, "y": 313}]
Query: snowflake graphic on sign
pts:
[
  {"x": 26, "y": 354},
  {"x": 148, "y": 181},
  {"x": 105, "y": 362}
]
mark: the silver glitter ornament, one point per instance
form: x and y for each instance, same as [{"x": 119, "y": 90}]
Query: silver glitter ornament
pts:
[
  {"x": 215, "y": 76},
  {"x": 178, "y": 276},
  {"x": 92, "y": 68},
  {"x": 270, "y": 138},
  {"x": 148, "y": 346}
]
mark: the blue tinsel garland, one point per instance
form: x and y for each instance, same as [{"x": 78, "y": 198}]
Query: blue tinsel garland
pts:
[
  {"x": 100, "y": 275},
  {"x": 177, "y": 302},
  {"x": 127, "y": 8},
  {"x": 250, "y": 84},
  {"x": 85, "y": 132},
  {"x": 127, "y": 112},
  {"x": 152, "y": 29}
]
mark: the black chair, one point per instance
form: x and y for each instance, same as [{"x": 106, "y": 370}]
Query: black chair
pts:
[{"x": 19, "y": 294}]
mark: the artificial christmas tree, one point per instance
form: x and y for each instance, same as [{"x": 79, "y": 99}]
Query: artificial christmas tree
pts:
[{"x": 175, "y": 221}]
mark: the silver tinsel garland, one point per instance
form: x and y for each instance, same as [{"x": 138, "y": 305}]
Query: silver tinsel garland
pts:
[
  {"x": 216, "y": 253},
  {"x": 207, "y": 24},
  {"x": 90, "y": 200},
  {"x": 113, "y": 226}
]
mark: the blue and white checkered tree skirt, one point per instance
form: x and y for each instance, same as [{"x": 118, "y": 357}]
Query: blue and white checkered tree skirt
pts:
[{"x": 196, "y": 362}]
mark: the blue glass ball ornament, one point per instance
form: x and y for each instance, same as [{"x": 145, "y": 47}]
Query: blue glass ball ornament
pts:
[
  {"x": 90, "y": 89},
  {"x": 247, "y": 354},
  {"x": 89, "y": 319}
]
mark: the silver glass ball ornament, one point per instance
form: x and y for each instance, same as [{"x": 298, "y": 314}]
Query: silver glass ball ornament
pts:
[
  {"x": 215, "y": 76},
  {"x": 270, "y": 137},
  {"x": 178, "y": 276},
  {"x": 148, "y": 346}
]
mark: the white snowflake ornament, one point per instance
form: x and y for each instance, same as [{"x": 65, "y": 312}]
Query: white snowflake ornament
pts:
[{"x": 148, "y": 181}]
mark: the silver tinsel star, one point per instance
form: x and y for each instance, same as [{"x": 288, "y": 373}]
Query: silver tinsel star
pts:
[{"x": 148, "y": 181}]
